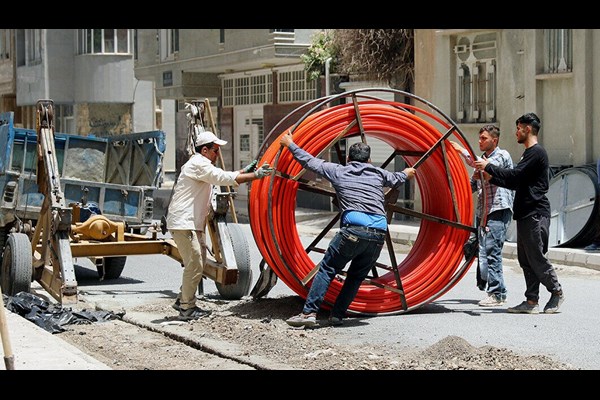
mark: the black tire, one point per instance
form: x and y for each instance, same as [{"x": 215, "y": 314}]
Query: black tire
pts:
[
  {"x": 110, "y": 267},
  {"x": 241, "y": 251},
  {"x": 3, "y": 238},
  {"x": 17, "y": 265}
]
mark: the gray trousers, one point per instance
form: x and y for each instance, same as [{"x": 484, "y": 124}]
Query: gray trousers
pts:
[{"x": 532, "y": 246}]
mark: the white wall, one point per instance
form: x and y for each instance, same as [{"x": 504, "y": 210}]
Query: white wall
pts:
[
  {"x": 143, "y": 106},
  {"x": 169, "y": 127}
]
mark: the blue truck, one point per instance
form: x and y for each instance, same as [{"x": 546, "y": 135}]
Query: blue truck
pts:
[
  {"x": 68, "y": 196},
  {"x": 116, "y": 176}
]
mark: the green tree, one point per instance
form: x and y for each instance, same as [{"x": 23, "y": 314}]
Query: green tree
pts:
[
  {"x": 381, "y": 54},
  {"x": 321, "y": 49}
]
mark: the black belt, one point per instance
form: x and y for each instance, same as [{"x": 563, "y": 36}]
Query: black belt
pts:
[{"x": 365, "y": 228}]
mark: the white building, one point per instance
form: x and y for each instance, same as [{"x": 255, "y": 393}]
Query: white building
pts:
[{"x": 88, "y": 73}]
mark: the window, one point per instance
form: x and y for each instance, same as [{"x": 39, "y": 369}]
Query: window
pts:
[
  {"x": 259, "y": 123},
  {"x": 240, "y": 89},
  {"x": 282, "y": 36},
  {"x": 4, "y": 44},
  {"x": 104, "y": 41},
  {"x": 169, "y": 44},
  {"x": 294, "y": 87},
  {"x": 558, "y": 51},
  {"x": 253, "y": 89},
  {"x": 476, "y": 78},
  {"x": 64, "y": 121},
  {"x": 245, "y": 142},
  {"x": 33, "y": 44}
]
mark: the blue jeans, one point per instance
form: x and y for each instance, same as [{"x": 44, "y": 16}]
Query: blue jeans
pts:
[
  {"x": 491, "y": 242},
  {"x": 360, "y": 247}
]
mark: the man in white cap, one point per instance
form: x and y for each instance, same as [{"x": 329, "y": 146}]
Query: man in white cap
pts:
[{"x": 189, "y": 207}]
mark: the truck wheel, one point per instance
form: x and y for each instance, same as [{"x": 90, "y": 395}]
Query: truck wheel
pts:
[
  {"x": 241, "y": 251},
  {"x": 3, "y": 238},
  {"x": 110, "y": 267},
  {"x": 17, "y": 265}
]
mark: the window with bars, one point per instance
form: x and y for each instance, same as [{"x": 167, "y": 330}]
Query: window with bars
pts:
[
  {"x": 258, "y": 89},
  {"x": 104, "y": 41},
  {"x": 255, "y": 89},
  {"x": 558, "y": 54},
  {"x": 476, "y": 78},
  {"x": 294, "y": 87},
  {"x": 245, "y": 139}
]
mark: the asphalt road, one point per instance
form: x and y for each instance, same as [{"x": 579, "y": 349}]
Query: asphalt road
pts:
[{"x": 570, "y": 336}]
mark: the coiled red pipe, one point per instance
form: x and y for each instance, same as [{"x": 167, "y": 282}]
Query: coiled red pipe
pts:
[{"x": 433, "y": 266}]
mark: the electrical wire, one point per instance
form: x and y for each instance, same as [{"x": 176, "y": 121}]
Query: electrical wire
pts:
[{"x": 434, "y": 264}]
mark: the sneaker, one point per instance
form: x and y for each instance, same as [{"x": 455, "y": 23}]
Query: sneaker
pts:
[
  {"x": 335, "y": 321},
  {"x": 302, "y": 320},
  {"x": 554, "y": 303},
  {"x": 592, "y": 247},
  {"x": 177, "y": 305},
  {"x": 192, "y": 313},
  {"x": 524, "y": 308},
  {"x": 492, "y": 301}
]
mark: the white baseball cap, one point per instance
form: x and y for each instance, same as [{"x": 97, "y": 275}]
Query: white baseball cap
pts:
[{"x": 206, "y": 137}]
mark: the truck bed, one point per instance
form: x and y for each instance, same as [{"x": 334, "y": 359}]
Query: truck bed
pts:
[{"x": 120, "y": 174}]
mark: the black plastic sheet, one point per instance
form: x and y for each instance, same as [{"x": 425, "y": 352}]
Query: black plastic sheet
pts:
[{"x": 52, "y": 317}]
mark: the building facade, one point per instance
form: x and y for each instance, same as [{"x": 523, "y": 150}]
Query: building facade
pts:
[
  {"x": 495, "y": 76},
  {"x": 111, "y": 81},
  {"x": 88, "y": 73},
  {"x": 251, "y": 77}
]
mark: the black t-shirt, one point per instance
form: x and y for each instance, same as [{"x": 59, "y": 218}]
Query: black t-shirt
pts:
[{"x": 529, "y": 179}]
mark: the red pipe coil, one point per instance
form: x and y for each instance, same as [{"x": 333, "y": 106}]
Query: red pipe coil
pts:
[{"x": 433, "y": 266}]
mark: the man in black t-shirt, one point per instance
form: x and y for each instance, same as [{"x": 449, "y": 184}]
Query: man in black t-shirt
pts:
[{"x": 531, "y": 210}]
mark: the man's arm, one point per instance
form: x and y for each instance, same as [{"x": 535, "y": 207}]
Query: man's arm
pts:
[
  {"x": 259, "y": 173},
  {"x": 306, "y": 159},
  {"x": 510, "y": 177},
  {"x": 463, "y": 152}
]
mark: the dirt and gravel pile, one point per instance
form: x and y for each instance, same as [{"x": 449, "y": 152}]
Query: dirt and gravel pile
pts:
[{"x": 262, "y": 331}]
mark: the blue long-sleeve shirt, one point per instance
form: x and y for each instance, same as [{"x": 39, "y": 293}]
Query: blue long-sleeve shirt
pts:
[
  {"x": 497, "y": 197},
  {"x": 359, "y": 186}
]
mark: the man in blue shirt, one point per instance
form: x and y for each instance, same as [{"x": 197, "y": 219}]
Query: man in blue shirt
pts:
[
  {"x": 498, "y": 213},
  {"x": 359, "y": 187}
]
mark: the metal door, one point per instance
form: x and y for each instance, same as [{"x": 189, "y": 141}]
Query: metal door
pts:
[{"x": 249, "y": 135}]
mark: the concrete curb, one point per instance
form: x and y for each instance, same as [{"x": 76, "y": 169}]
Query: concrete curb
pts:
[{"x": 217, "y": 347}]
